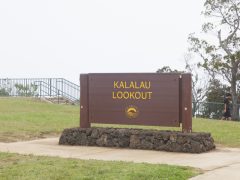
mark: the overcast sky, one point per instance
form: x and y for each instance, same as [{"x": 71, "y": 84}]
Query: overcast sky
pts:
[{"x": 63, "y": 38}]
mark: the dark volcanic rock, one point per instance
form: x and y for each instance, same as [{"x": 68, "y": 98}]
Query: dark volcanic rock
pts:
[{"x": 173, "y": 141}]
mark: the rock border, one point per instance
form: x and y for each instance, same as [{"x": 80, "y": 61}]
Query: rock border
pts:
[{"x": 172, "y": 141}]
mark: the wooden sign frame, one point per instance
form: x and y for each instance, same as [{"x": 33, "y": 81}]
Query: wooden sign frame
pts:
[{"x": 156, "y": 99}]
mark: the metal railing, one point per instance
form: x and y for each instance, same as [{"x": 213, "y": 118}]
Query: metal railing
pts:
[
  {"x": 62, "y": 88},
  {"x": 212, "y": 110},
  {"x": 40, "y": 87}
]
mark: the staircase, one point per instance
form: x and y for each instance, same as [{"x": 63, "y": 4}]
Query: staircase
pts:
[{"x": 48, "y": 88}]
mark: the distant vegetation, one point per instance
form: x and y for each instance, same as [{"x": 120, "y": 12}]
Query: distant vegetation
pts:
[
  {"x": 4, "y": 92},
  {"x": 27, "y": 90}
]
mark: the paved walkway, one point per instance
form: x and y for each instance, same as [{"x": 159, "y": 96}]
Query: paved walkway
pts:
[{"x": 222, "y": 163}]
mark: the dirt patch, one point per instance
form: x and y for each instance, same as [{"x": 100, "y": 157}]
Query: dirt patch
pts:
[{"x": 8, "y": 137}]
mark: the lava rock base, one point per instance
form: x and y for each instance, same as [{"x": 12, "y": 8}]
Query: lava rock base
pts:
[{"x": 172, "y": 141}]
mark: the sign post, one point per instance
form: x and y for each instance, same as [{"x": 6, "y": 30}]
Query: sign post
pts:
[
  {"x": 84, "y": 102},
  {"x": 136, "y": 99},
  {"x": 186, "y": 102}
]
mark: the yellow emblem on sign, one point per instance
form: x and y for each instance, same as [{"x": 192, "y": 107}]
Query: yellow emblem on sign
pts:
[{"x": 131, "y": 112}]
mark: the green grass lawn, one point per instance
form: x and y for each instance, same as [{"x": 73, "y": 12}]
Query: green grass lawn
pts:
[
  {"x": 226, "y": 133},
  {"x": 24, "y": 118},
  {"x": 14, "y": 166}
]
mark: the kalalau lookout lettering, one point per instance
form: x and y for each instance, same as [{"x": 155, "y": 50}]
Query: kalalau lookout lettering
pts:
[{"x": 132, "y": 90}]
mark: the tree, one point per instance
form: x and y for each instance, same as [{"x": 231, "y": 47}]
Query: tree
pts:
[
  {"x": 27, "y": 90},
  {"x": 4, "y": 92},
  {"x": 221, "y": 56},
  {"x": 167, "y": 69},
  {"x": 216, "y": 91},
  {"x": 199, "y": 85},
  {"x": 215, "y": 97}
]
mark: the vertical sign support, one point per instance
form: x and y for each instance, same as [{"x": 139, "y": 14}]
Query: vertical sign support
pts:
[
  {"x": 186, "y": 102},
  {"x": 84, "y": 102}
]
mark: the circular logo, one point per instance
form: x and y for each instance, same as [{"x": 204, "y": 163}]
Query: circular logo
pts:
[{"x": 131, "y": 112}]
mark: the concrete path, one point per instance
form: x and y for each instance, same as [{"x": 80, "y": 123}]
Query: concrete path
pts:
[{"x": 222, "y": 163}]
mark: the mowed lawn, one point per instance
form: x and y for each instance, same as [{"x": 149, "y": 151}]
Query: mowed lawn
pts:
[
  {"x": 14, "y": 166},
  {"x": 26, "y": 118}
]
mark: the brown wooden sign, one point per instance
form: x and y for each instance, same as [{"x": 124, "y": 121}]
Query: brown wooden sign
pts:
[{"x": 136, "y": 99}]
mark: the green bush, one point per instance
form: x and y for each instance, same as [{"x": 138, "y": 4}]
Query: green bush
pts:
[
  {"x": 28, "y": 90},
  {"x": 4, "y": 92}
]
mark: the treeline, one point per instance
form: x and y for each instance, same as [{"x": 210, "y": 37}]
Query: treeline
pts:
[{"x": 217, "y": 47}]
